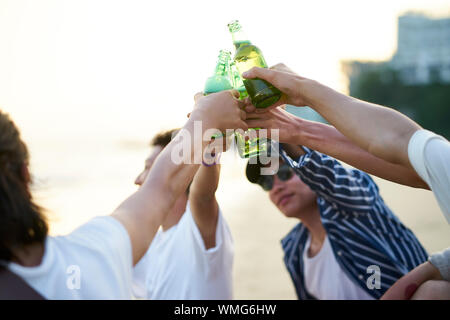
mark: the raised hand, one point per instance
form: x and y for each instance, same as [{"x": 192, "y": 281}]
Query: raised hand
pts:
[
  {"x": 288, "y": 82},
  {"x": 277, "y": 119},
  {"x": 221, "y": 110}
]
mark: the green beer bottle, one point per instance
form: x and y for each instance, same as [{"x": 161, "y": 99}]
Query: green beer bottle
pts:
[
  {"x": 238, "y": 83},
  {"x": 247, "y": 56},
  {"x": 220, "y": 80},
  {"x": 247, "y": 147}
]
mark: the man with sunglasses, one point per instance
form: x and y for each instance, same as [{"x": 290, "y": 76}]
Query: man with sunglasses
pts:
[{"x": 349, "y": 245}]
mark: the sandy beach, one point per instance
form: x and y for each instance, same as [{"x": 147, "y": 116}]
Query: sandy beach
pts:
[
  {"x": 75, "y": 186},
  {"x": 258, "y": 226}
]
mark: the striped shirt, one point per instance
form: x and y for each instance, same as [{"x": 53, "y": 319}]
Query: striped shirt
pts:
[{"x": 361, "y": 228}]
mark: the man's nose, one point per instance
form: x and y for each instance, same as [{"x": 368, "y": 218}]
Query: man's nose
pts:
[{"x": 278, "y": 185}]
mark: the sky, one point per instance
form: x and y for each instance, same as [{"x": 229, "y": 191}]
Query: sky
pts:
[
  {"x": 125, "y": 66},
  {"x": 90, "y": 82}
]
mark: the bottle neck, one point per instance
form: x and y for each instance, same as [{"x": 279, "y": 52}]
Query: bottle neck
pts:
[
  {"x": 223, "y": 64},
  {"x": 237, "y": 80},
  {"x": 239, "y": 38}
]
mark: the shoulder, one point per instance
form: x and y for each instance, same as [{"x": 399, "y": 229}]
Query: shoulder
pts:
[
  {"x": 422, "y": 148},
  {"x": 104, "y": 235},
  {"x": 98, "y": 228}
]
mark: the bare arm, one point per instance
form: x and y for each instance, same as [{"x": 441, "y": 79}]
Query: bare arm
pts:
[
  {"x": 204, "y": 206},
  {"x": 405, "y": 287},
  {"x": 383, "y": 132},
  {"x": 144, "y": 211},
  {"x": 328, "y": 140},
  {"x": 379, "y": 130}
]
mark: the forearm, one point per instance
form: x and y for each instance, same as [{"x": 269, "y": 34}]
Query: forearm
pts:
[
  {"x": 328, "y": 140},
  {"x": 379, "y": 130},
  {"x": 405, "y": 287},
  {"x": 144, "y": 211},
  {"x": 205, "y": 183},
  {"x": 203, "y": 203}
]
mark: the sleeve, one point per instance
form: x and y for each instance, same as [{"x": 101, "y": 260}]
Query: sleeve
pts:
[
  {"x": 223, "y": 234},
  {"x": 348, "y": 189},
  {"x": 110, "y": 245},
  {"x": 216, "y": 261},
  {"x": 429, "y": 155},
  {"x": 441, "y": 261},
  {"x": 140, "y": 276}
]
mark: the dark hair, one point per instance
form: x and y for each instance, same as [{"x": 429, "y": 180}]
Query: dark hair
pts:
[
  {"x": 162, "y": 139},
  {"x": 21, "y": 220}
]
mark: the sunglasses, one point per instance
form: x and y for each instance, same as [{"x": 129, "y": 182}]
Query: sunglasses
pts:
[{"x": 284, "y": 174}]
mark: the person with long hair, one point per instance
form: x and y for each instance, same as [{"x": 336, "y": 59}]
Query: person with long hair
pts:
[{"x": 96, "y": 260}]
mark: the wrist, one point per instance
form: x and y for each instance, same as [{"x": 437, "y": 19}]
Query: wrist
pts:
[
  {"x": 200, "y": 114},
  {"x": 312, "y": 91},
  {"x": 304, "y": 133},
  {"x": 211, "y": 159},
  {"x": 296, "y": 135}
]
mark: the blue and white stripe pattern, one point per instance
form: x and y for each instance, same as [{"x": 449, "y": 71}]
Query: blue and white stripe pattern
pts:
[{"x": 362, "y": 230}]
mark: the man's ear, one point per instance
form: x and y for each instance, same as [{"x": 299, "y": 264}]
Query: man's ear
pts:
[{"x": 25, "y": 173}]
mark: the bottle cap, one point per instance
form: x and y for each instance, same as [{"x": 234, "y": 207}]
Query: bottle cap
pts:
[{"x": 234, "y": 26}]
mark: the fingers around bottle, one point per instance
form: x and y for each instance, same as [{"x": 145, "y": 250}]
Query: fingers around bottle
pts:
[
  {"x": 250, "y": 108},
  {"x": 262, "y": 73},
  {"x": 243, "y": 114},
  {"x": 264, "y": 110},
  {"x": 258, "y": 123},
  {"x": 234, "y": 93},
  {"x": 242, "y": 125},
  {"x": 241, "y": 104},
  {"x": 257, "y": 116},
  {"x": 252, "y": 73},
  {"x": 197, "y": 96}
]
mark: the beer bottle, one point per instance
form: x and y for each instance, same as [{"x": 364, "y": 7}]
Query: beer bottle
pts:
[
  {"x": 238, "y": 83},
  {"x": 247, "y": 147},
  {"x": 247, "y": 56},
  {"x": 220, "y": 80}
]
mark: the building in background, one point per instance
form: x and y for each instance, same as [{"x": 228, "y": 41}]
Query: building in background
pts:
[
  {"x": 423, "y": 49},
  {"x": 422, "y": 56},
  {"x": 416, "y": 80}
]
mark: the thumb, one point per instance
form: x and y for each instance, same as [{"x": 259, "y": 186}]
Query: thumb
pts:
[{"x": 198, "y": 96}]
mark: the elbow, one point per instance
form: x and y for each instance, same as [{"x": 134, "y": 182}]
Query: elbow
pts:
[
  {"x": 417, "y": 182},
  {"x": 202, "y": 198}
]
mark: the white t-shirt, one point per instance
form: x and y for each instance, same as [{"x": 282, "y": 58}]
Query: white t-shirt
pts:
[
  {"x": 429, "y": 154},
  {"x": 177, "y": 265},
  {"x": 326, "y": 280},
  {"x": 93, "y": 262}
]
